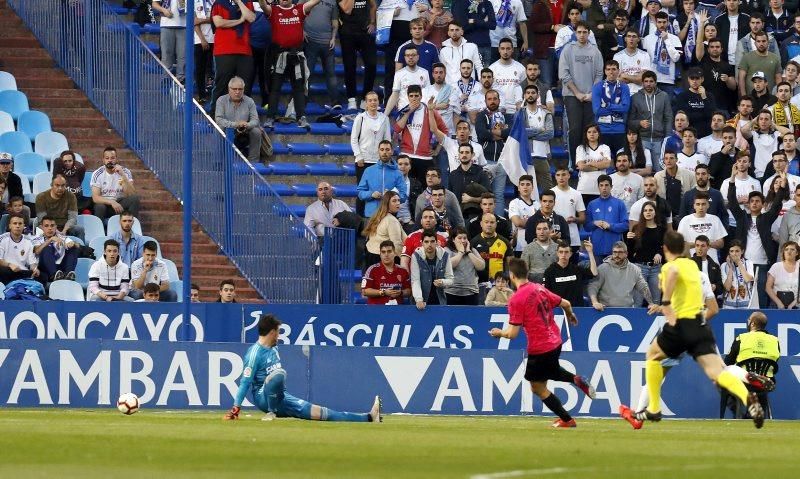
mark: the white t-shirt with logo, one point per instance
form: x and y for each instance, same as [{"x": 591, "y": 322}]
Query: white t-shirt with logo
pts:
[
  {"x": 733, "y": 38},
  {"x": 743, "y": 188},
  {"x": 536, "y": 121},
  {"x": 202, "y": 10},
  {"x": 628, "y": 188},
  {"x": 157, "y": 274},
  {"x": 507, "y": 80},
  {"x": 451, "y": 145},
  {"x": 452, "y": 100},
  {"x": 518, "y": 207},
  {"x": 765, "y": 144},
  {"x": 710, "y": 225},
  {"x": 587, "y": 180},
  {"x": 507, "y": 20},
  {"x": 633, "y": 65},
  {"x": 405, "y": 77},
  {"x": 755, "y": 248},
  {"x": 569, "y": 203},
  {"x": 690, "y": 162},
  {"x": 110, "y": 184},
  {"x": 708, "y": 145}
]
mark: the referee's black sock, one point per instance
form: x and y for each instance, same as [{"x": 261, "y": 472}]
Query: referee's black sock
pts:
[
  {"x": 565, "y": 376},
  {"x": 554, "y": 404}
]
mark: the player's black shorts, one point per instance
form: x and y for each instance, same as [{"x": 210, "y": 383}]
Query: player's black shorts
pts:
[
  {"x": 542, "y": 367},
  {"x": 691, "y": 335}
]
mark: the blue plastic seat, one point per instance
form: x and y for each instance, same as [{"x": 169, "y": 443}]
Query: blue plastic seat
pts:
[
  {"x": 558, "y": 152},
  {"x": 288, "y": 129},
  {"x": 306, "y": 190},
  {"x": 314, "y": 149},
  {"x": 50, "y": 143},
  {"x": 345, "y": 274},
  {"x": 119, "y": 9},
  {"x": 279, "y": 148},
  {"x": 151, "y": 29},
  {"x": 15, "y": 143},
  {"x": 93, "y": 227},
  {"x": 14, "y": 103},
  {"x": 172, "y": 270},
  {"x": 345, "y": 191},
  {"x": 263, "y": 169},
  {"x": 82, "y": 271},
  {"x": 326, "y": 129},
  {"x": 26, "y": 191},
  {"x": 6, "y": 123},
  {"x": 315, "y": 109},
  {"x": 7, "y": 81},
  {"x": 75, "y": 239},
  {"x": 340, "y": 149},
  {"x": 145, "y": 239},
  {"x": 32, "y": 123},
  {"x": 153, "y": 47},
  {"x": 349, "y": 169},
  {"x": 66, "y": 290},
  {"x": 509, "y": 191},
  {"x": 280, "y": 168},
  {"x": 96, "y": 244},
  {"x": 325, "y": 169},
  {"x": 86, "y": 186},
  {"x": 41, "y": 182},
  {"x": 280, "y": 189},
  {"x": 298, "y": 210}
]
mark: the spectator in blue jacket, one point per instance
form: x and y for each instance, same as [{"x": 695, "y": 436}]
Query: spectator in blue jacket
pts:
[
  {"x": 477, "y": 21},
  {"x": 611, "y": 100},
  {"x": 379, "y": 178},
  {"x": 606, "y": 219}
]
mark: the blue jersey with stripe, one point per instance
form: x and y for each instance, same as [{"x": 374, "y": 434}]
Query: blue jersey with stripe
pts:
[{"x": 259, "y": 361}]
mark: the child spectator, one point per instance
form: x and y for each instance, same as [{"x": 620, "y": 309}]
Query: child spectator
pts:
[{"x": 500, "y": 292}]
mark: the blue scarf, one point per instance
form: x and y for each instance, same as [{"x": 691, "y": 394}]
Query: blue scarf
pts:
[
  {"x": 612, "y": 94},
  {"x": 691, "y": 38},
  {"x": 466, "y": 90},
  {"x": 505, "y": 17},
  {"x": 411, "y": 3},
  {"x": 495, "y": 118},
  {"x": 661, "y": 57},
  {"x": 233, "y": 14}
]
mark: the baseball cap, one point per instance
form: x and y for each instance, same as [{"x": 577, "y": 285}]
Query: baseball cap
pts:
[
  {"x": 653, "y": 1},
  {"x": 6, "y": 158},
  {"x": 695, "y": 73},
  {"x": 758, "y": 75}
]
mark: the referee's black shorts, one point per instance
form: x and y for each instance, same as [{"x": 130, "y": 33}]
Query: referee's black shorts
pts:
[
  {"x": 688, "y": 335},
  {"x": 542, "y": 367}
]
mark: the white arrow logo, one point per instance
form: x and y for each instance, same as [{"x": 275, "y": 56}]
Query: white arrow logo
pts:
[{"x": 404, "y": 373}]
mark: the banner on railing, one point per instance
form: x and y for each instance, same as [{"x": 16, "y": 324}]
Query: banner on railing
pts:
[
  {"x": 92, "y": 373},
  {"x": 454, "y": 327}
]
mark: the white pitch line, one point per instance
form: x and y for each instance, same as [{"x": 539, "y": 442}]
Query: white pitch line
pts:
[{"x": 573, "y": 470}]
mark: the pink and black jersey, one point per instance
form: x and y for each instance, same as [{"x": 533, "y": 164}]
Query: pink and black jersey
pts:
[{"x": 532, "y": 308}]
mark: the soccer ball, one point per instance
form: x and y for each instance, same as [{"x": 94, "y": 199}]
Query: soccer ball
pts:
[{"x": 128, "y": 403}]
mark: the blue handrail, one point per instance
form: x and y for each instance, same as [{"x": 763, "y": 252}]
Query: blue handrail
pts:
[{"x": 231, "y": 201}]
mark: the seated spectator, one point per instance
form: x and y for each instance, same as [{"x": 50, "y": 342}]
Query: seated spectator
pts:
[
  {"x": 320, "y": 213},
  {"x": 664, "y": 212},
  {"x": 380, "y": 178},
  {"x": 370, "y": 127},
  {"x": 149, "y": 269},
  {"x": 383, "y": 226},
  {"x": 74, "y": 171},
  {"x": 466, "y": 262},
  {"x": 16, "y": 206},
  {"x": 645, "y": 247},
  {"x": 12, "y": 180},
  {"x": 150, "y": 294},
  {"x": 617, "y": 278},
  {"x": 500, "y": 292},
  {"x": 606, "y": 219},
  {"x": 540, "y": 253},
  {"x": 707, "y": 265},
  {"x": 702, "y": 223},
  {"x": 194, "y": 293},
  {"x": 592, "y": 159},
  {"x": 487, "y": 206},
  {"x": 61, "y": 205},
  {"x": 227, "y": 291},
  {"x": 130, "y": 244},
  {"x": 112, "y": 187},
  {"x": 640, "y": 158},
  {"x": 568, "y": 279},
  {"x": 737, "y": 277},
  {"x": 431, "y": 272},
  {"x": 58, "y": 255},
  {"x": 385, "y": 282},
  {"x": 414, "y": 240},
  {"x": 493, "y": 248},
  {"x": 109, "y": 278},
  {"x": 790, "y": 223},
  {"x": 558, "y": 225},
  {"x": 446, "y": 217},
  {"x": 237, "y": 111},
  {"x": 782, "y": 278},
  {"x": 17, "y": 259}
]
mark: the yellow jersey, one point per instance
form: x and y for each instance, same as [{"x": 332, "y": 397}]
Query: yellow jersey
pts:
[{"x": 687, "y": 296}]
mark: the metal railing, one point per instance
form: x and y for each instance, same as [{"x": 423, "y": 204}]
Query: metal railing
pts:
[
  {"x": 338, "y": 260},
  {"x": 238, "y": 209}
]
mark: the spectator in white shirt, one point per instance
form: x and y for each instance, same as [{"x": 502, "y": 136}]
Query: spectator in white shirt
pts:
[
  {"x": 17, "y": 259},
  {"x": 370, "y": 127},
  {"x": 112, "y": 187},
  {"x": 702, "y": 223},
  {"x": 109, "y": 278},
  {"x": 508, "y": 75},
  {"x": 149, "y": 269}
]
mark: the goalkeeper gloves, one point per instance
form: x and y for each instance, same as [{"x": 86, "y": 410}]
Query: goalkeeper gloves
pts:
[{"x": 233, "y": 414}]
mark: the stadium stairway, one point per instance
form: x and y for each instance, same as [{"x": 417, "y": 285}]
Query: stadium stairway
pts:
[{"x": 50, "y": 90}]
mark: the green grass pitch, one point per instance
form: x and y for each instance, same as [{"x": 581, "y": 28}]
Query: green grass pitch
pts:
[{"x": 103, "y": 443}]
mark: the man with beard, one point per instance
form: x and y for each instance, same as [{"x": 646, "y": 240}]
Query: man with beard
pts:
[
  {"x": 616, "y": 280},
  {"x": 632, "y": 61},
  {"x": 650, "y": 194},
  {"x": 508, "y": 74},
  {"x": 759, "y": 61},
  {"x": 445, "y": 96},
  {"x": 493, "y": 127},
  {"x": 467, "y": 174},
  {"x": 455, "y": 50},
  {"x": 716, "y": 201},
  {"x": 719, "y": 75},
  {"x": 539, "y": 129},
  {"x": 112, "y": 187},
  {"x": 650, "y": 115},
  {"x": 710, "y": 144},
  {"x": 533, "y": 77},
  {"x": 627, "y": 186}
]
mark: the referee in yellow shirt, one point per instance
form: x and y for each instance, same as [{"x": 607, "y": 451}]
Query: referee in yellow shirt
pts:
[{"x": 686, "y": 331}]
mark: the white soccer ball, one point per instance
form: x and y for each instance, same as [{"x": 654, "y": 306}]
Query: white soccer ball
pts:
[{"x": 128, "y": 403}]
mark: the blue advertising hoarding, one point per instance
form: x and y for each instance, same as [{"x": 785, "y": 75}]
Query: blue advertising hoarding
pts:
[
  {"x": 180, "y": 375},
  {"x": 613, "y": 330}
]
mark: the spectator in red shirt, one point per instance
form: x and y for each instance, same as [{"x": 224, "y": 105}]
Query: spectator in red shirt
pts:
[
  {"x": 414, "y": 240},
  {"x": 232, "y": 53},
  {"x": 288, "y": 59},
  {"x": 386, "y": 282},
  {"x": 532, "y": 308}
]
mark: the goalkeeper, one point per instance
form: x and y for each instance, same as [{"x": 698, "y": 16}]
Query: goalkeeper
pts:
[{"x": 266, "y": 378}]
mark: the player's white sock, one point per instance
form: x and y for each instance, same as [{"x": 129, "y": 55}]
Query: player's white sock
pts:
[
  {"x": 737, "y": 371},
  {"x": 644, "y": 400}
]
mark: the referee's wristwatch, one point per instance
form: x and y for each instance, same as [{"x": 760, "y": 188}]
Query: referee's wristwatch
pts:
[{"x": 666, "y": 303}]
